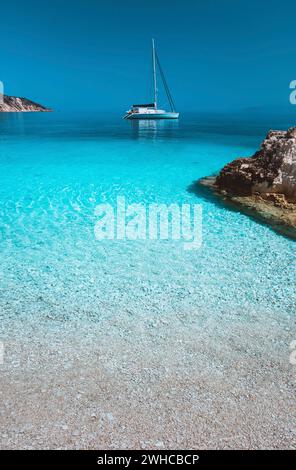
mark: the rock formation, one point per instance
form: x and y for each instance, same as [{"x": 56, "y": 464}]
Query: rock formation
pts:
[
  {"x": 264, "y": 185},
  {"x": 13, "y": 104},
  {"x": 272, "y": 170}
]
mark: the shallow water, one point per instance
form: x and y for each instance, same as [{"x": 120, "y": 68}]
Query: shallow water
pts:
[{"x": 56, "y": 169}]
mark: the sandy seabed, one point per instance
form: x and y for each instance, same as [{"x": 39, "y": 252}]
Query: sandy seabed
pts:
[{"x": 129, "y": 382}]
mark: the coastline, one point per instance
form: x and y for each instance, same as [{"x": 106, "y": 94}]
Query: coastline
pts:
[
  {"x": 278, "y": 216},
  {"x": 262, "y": 186},
  {"x": 14, "y": 104}
]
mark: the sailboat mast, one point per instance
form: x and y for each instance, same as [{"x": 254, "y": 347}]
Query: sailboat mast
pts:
[{"x": 154, "y": 74}]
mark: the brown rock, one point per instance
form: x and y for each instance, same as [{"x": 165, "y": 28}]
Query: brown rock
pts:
[
  {"x": 12, "y": 104},
  {"x": 270, "y": 170}
]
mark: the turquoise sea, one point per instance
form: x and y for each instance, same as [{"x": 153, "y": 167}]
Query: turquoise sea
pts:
[
  {"x": 55, "y": 169},
  {"x": 132, "y": 344}
]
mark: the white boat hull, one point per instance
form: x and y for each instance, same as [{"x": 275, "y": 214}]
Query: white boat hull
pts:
[{"x": 169, "y": 115}]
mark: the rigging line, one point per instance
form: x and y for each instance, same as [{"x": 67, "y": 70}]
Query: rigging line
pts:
[{"x": 165, "y": 85}]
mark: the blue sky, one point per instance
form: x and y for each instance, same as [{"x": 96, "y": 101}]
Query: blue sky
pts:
[{"x": 94, "y": 54}]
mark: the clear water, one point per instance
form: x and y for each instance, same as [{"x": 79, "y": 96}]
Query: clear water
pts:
[{"x": 54, "y": 170}]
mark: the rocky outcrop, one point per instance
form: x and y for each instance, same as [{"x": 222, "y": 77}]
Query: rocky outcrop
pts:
[
  {"x": 272, "y": 170},
  {"x": 264, "y": 185},
  {"x": 12, "y": 104}
]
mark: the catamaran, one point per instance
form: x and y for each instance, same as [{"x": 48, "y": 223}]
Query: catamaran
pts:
[{"x": 151, "y": 111}]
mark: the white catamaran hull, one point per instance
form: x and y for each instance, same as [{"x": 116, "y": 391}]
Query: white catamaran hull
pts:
[{"x": 168, "y": 115}]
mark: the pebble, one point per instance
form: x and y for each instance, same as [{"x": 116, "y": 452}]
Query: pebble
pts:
[{"x": 159, "y": 444}]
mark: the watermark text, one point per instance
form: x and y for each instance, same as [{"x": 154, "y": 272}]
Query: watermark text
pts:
[{"x": 150, "y": 222}]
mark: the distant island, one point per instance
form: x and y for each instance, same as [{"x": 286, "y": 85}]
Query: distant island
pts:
[
  {"x": 13, "y": 104},
  {"x": 263, "y": 186}
]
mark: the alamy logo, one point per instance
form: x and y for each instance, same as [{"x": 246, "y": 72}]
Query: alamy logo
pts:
[
  {"x": 150, "y": 222},
  {"x": 1, "y": 93}
]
